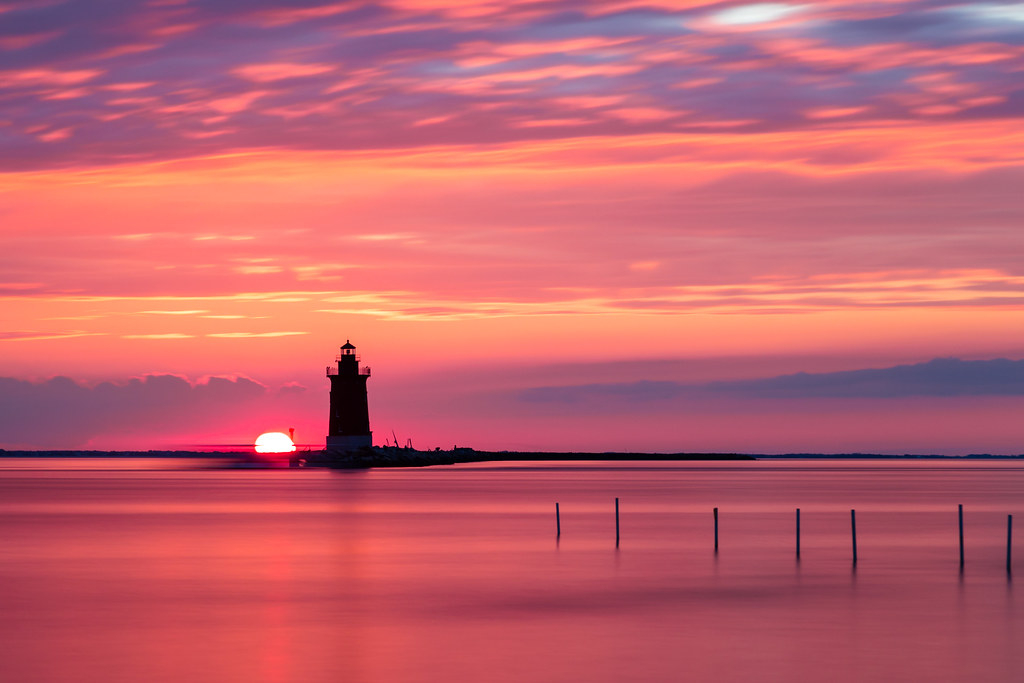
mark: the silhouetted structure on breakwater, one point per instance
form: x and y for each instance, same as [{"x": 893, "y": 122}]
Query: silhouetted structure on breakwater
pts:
[
  {"x": 349, "y": 426},
  {"x": 349, "y": 439}
]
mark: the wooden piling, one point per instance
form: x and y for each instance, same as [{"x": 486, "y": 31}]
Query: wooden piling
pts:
[
  {"x": 798, "y": 533},
  {"x": 616, "y": 522},
  {"x": 1009, "y": 541},
  {"x": 558, "y": 521},
  {"x": 960, "y": 515},
  {"x": 853, "y": 531},
  {"x": 716, "y": 529}
]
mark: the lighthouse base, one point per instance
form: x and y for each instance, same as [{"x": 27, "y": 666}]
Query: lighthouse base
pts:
[{"x": 341, "y": 444}]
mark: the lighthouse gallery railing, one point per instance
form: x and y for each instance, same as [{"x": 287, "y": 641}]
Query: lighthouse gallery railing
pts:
[{"x": 332, "y": 370}]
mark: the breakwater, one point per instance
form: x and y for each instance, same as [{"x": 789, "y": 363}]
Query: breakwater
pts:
[{"x": 384, "y": 456}]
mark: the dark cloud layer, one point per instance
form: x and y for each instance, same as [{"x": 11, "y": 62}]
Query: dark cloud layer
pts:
[
  {"x": 61, "y": 413},
  {"x": 941, "y": 377}
]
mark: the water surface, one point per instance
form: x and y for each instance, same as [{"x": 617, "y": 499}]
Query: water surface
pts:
[{"x": 455, "y": 573}]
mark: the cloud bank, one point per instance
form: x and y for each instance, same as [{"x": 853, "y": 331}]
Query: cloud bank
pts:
[
  {"x": 62, "y": 413},
  {"x": 944, "y": 405},
  {"x": 941, "y": 377}
]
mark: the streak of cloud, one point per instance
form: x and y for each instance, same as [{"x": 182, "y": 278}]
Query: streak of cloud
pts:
[{"x": 941, "y": 377}]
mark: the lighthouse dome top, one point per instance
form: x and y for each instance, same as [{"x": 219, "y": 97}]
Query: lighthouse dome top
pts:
[{"x": 348, "y": 345}]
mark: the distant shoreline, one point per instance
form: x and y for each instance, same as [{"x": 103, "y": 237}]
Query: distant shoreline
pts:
[
  {"x": 407, "y": 457},
  {"x": 384, "y": 456}
]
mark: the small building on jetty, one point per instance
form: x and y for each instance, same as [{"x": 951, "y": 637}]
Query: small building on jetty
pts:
[{"x": 349, "y": 425}]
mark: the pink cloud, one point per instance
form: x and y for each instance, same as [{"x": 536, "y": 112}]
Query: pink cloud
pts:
[
  {"x": 301, "y": 110},
  {"x": 287, "y": 15},
  {"x": 132, "y": 101},
  {"x": 644, "y": 114},
  {"x": 591, "y": 101},
  {"x": 174, "y": 29},
  {"x": 462, "y": 9},
  {"x": 128, "y": 86},
  {"x": 833, "y": 112},
  {"x": 983, "y": 101},
  {"x": 236, "y": 103},
  {"x": 499, "y": 81},
  {"x": 47, "y": 77},
  {"x": 70, "y": 94},
  {"x": 697, "y": 82},
  {"x": 127, "y": 49},
  {"x": 433, "y": 120},
  {"x": 207, "y": 134},
  {"x": 541, "y": 123},
  {"x": 277, "y": 71},
  {"x": 55, "y": 135},
  {"x": 24, "y": 41},
  {"x": 938, "y": 109},
  {"x": 476, "y": 54},
  {"x": 880, "y": 56}
]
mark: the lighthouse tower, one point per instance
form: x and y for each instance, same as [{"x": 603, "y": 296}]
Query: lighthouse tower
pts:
[{"x": 349, "y": 426}]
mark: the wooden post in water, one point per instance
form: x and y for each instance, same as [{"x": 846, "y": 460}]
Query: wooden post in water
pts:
[
  {"x": 616, "y": 522},
  {"x": 558, "y": 522},
  {"x": 1009, "y": 541},
  {"x": 853, "y": 530},
  {"x": 960, "y": 514},
  {"x": 798, "y": 533},
  {"x": 716, "y": 530}
]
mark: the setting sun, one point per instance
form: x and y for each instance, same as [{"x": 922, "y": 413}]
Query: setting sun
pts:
[{"x": 274, "y": 442}]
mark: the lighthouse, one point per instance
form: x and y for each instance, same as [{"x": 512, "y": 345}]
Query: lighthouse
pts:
[{"x": 349, "y": 426}]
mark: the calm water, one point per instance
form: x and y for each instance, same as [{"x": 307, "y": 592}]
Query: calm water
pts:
[{"x": 454, "y": 573}]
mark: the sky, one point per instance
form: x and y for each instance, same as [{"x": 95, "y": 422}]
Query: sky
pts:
[{"x": 658, "y": 225}]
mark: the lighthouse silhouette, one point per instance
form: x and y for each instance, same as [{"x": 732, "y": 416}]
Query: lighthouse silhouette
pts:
[{"x": 349, "y": 426}]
